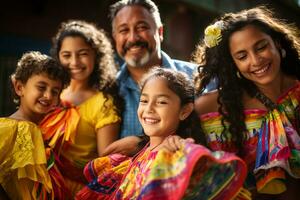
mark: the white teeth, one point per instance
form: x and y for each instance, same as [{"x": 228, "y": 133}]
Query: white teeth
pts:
[
  {"x": 261, "y": 70},
  {"x": 44, "y": 103},
  {"x": 151, "y": 121},
  {"x": 135, "y": 48},
  {"x": 77, "y": 70}
]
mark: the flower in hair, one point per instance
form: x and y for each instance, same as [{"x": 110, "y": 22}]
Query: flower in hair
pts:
[{"x": 212, "y": 34}]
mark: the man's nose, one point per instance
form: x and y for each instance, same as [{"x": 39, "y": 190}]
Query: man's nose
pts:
[{"x": 133, "y": 36}]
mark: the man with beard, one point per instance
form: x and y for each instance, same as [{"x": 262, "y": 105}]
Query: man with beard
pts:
[{"x": 138, "y": 32}]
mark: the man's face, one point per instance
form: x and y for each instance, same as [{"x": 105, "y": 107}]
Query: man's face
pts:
[{"x": 137, "y": 36}]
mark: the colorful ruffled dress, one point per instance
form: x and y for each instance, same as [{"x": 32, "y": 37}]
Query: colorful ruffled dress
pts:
[
  {"x": 71, "y": 132},
  {"x": 192, "y": 172},
  {"x": 272, "y": 148},
  {"x": 23, "y": 163}
]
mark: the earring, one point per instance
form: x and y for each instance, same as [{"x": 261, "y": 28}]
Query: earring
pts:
[
  {"x": 182, "y": 117},
  {"x": 283, "y": 53},
  {"x": 16, "y": 101},
  {"x": 238, "y": 74}
]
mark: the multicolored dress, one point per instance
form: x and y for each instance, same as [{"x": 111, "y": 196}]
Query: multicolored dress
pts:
[
  {"x": 192, "y": 172},
  {"x": 23, "y": 162},
  {"x": 272, "y": 148},
  {"x": 71, "y": 132}
]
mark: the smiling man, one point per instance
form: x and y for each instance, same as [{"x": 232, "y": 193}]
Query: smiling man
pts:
[{"x": 138, "y": 32}]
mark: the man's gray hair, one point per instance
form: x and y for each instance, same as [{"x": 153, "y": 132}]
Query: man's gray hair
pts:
[{"x": 147, "y": 4}]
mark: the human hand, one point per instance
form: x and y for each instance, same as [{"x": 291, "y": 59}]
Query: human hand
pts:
[
  {"x": 174, "y": 142},
  {"x": 127, "y": 146}
]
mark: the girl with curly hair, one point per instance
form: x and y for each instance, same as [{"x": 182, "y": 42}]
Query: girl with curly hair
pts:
[
  {"x": 88, "y": 118},
  {"x": 255, "y": 110}
]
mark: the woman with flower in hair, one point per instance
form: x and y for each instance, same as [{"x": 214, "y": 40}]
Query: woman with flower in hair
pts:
[
  {"x": 255, "y": 110},
  {"x": 88, "y": 119}
]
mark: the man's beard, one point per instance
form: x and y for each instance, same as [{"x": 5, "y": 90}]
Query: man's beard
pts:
[{"x": 139, "y": 62}]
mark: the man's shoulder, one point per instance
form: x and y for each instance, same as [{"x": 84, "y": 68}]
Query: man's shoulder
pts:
[
  {"x": 179, "y": 65},
  {"x": 184, "y": 64}
]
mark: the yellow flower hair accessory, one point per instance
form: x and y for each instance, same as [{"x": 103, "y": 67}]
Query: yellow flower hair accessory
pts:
[{"x": 212, "y": 34}]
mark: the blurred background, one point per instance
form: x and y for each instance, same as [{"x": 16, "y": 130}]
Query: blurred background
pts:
[{"x": 30, "y": 25}]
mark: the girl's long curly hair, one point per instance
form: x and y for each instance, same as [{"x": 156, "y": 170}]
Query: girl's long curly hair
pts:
[
  {"x": 217, "y": 62},
  {"x": 105, "y": 70}
]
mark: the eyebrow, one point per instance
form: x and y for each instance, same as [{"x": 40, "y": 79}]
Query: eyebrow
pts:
[
  {"x": 45, "y": 83},
  {"x": 80, "y": 50},
  {"x": 255, "y": 44},
  {"x": 143, "y": 22},
  {"x": 158, "y": 95},
  {"x": 42, "y": 82}
]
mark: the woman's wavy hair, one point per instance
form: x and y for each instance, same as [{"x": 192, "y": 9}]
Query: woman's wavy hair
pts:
[
  {"x": 182, "y": 86},
  {"x": 105, "y": 70},
  {"x": 217, "y": 62}
]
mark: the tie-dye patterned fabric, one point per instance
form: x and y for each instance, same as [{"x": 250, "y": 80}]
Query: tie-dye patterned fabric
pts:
[
  {"x": 273, "y": 143},
  {"x": 193, "y": 172}
]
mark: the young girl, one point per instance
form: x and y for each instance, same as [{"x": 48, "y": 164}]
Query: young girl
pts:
[
  {"x": 192, "y": 172},
  {"x": 37, "y": 81},
  {"x": 88, "y": 119}
]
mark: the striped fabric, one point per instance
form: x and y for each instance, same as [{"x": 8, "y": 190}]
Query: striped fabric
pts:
[{"x": 273, "y": 143}]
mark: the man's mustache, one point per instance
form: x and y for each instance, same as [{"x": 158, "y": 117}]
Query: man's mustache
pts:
[{"x": 128, "y": 45}]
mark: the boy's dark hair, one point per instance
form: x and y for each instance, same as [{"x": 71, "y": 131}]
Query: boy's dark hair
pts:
[{"x": 35, "y": 63}]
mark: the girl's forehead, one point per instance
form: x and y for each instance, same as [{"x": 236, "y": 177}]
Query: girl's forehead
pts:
[
  {"x": 154, "y": 81},
  {"x": 157, "y": 85}
]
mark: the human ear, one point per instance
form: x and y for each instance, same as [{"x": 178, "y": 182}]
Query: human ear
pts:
[
  {"x": 277, "y": 44},
  {"x": 113, "y": 31},
  {"x": 113, "y": 35},
  {"x": 161, "y": 33},
  {"x": 281, "y": 50},
  {"x": 186, "y": 110},
  {"x": 18, "y": 86}
]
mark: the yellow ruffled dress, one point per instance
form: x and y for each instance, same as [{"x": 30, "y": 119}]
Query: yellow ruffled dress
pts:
[
  {"x": 77, "y": 127},
  {"x": 23, "y": 171}
]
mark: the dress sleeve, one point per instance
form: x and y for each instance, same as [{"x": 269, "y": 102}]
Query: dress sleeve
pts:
[
  {"x": 24, "y": 171},
  {"x": 101, "y": 111}
]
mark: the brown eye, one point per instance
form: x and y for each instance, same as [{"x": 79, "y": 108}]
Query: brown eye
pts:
[
  {"x": 143, "y": 101},
  {"x": 261, "y": 47},
  {"x": 41, "y": 88},
  {"x": 142, "y": 28},
  {"x": 55, "y": 92},
  {"x": 241, "y": 56},
  {"x": 83, "y": 54},
  {"x": 162, "y": 102},
  {"x": 123, "y": 31}
]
